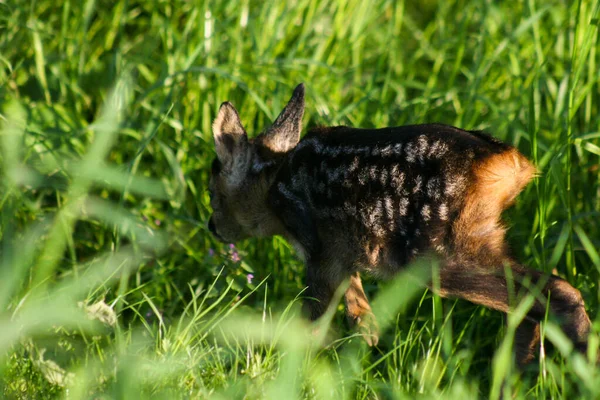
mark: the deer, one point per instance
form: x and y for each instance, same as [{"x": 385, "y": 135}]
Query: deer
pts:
[{"x": 357, "y": 201}]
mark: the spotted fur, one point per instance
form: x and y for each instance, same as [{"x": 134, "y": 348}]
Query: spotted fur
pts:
[{"x": 353, "y": 200}]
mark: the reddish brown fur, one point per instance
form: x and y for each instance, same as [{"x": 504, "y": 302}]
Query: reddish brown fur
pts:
[
  {"x": 498, "y": 181},
  {"x": 358, "y": 310}
]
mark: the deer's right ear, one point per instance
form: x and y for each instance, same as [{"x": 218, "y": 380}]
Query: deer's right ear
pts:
[
  {"x": 231, "y": 140},
  {"x": 284, "y": 134}
]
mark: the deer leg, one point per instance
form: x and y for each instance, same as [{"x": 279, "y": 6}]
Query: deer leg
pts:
[
  {"x": 358, "y": 311},
  {"x": 322, "y": 281},
  {"x": 491, "y": 288},
  {"x": 566, "y": 302},
  {"x": 527, "y": 340}
]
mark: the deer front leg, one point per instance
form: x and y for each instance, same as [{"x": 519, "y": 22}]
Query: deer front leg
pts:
[
  {"x": 358, "y": 311},
  {"x": 323, "y": 280}
]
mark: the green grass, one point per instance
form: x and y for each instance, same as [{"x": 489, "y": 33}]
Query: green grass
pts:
[{"x": 111, "y": 286}]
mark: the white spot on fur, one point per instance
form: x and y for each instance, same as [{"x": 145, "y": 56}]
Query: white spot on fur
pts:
[
  {"x": 383, "y": 178},
  {"x": 363, "y": 176},
  {"x": 373, "y": 172},
  {"x": 403, "y": 206},
  {"x": 411, "y": 152},
  {"x": 438, "y": 149},
  {"x": 443, "y": 212},
  {"x": 434, "y": 188},
  {"x": 354, "y": 165},
  {"x": 379, "y": 211},
  {"x": 387, "y": 150},
  {"x": 389, "y": 206},
  {"x": 389, "y": 212},
  {"x": 333, "y": 151},
  {"x": 418, "y": 184},
  {"x": 347, "y": 149},
  {"x": 454, "y": 185},
  {"x": 426, "y": 212},
  {"x": 364, "y": 151},
  {"x": 397, "y": 177},
  {"x": 422, "y": 146}
]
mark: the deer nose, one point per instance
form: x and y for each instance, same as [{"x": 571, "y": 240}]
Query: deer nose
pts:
[{"x": 211, "y": 227}]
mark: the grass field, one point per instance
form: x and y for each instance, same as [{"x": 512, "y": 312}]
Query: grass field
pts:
[{"x": 112, "y": 287}]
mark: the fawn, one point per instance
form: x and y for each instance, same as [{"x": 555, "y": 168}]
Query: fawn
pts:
[{"x": 371, "y": 200}]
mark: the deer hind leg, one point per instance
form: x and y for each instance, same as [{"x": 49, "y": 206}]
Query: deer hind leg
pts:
[
  {"x": 567, "y": 303},
  {"x": 491, "y": 288},
  {"x": 478, "y": 273},
  {"x": 358, "y": 311},
  {"x": 527, "y": 340}
]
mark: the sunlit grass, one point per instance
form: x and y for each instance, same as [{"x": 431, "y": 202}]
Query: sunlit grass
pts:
[{"x": 111, "y": 286}]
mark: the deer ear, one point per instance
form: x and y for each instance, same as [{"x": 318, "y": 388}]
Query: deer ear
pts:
[
  {"x": 231, "y": 140},
  {"x": 284, "y": 134}
]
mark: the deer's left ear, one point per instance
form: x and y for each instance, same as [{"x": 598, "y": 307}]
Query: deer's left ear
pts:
[
  {"x": 284, "y": 134},
  {"x": 231, "y": 143},
  {"x": 228, "y": 132}
]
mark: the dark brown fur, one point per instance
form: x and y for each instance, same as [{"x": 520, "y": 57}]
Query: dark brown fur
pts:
[{"x": 353, "y": 201}]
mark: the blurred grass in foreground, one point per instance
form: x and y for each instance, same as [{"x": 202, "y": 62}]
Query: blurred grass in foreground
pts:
[{"x": 111, "y": 286}]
